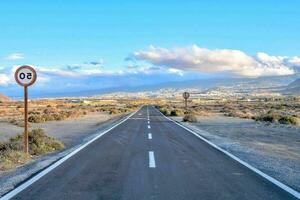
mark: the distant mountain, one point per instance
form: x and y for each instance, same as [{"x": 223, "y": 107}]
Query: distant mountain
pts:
[
  {"x": 295, "y": 83},
  {"x": 236, "y": 84},
  {"x": 293, "y": 88},
  {"x": 4, "y": 98}
]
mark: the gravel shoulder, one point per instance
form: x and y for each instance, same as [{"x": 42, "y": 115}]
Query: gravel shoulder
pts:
[
  {"x": 272, "y": 148},
  {"x": 73, "y": 133}
]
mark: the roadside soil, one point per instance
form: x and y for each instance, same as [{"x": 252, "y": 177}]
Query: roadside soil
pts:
[
  {"x": 272, "y": 148},
  {"x": 68, "y": 131}
]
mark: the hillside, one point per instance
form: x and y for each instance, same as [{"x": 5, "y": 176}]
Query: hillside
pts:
[
  {"x": 4, "y": 98},
  {"x": 295, "y": 83},
  {"x": 293, "y": 88}
]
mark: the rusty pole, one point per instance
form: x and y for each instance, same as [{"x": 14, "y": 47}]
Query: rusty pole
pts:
[{"x": 25, "y": 137}]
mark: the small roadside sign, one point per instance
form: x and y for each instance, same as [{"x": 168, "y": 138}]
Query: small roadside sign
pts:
[
  {"x": 25, "y": 76},
  {"x": 185, "y": 95}
]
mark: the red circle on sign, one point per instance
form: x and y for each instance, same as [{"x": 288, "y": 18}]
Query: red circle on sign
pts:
[{"x": 34, "y": 76}]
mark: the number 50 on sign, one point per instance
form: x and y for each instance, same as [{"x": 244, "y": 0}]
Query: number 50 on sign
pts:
[{"x": 25, "y": 76}]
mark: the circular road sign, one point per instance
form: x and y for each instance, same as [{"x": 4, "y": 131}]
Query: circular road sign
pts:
[
  {"x": 186, "y": 95},
  {"x": 25, "y": 75}
]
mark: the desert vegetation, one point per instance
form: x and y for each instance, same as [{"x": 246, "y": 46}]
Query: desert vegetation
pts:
[
  {"x": 61, "y": 109},
  {"x": 285, "y": 110},
  {"x": 173, "y": 111},
  {"x": 189, "y": 117},
  {"x": 11, "y": 152}
]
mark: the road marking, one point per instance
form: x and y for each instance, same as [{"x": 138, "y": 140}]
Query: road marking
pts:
[
  {"x": 269, "y": 178},
  {"x": 149, "y": 126},
  {"x": 147, "y": 111},
  {"x": 137, "y": 118},
  {"x": 151, "y": 160},
  {"x": 148, "y": 122},
  {"x": 149, "y": 136},
  {"x": 35, "y": 178}
]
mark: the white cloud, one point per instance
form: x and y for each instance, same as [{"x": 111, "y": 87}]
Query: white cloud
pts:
[
  {"x": 175, "y": 71},
  {"x": 194, "y": 58},
  {"x": 4, "y": 80},
  {"x": 15, "y": 56},
  {"x": 294, "y": 61},
  {"x": 57, "y": 72}
]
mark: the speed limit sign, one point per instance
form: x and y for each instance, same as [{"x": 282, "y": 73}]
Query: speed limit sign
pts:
[
  {"x": 186, "y": 95},
  {"x": 25, "y": 75}
]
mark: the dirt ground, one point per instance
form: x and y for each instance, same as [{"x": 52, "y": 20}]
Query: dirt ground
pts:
[
  {"x": 272, "y": 148},
  {"x": 68, "y": 131}
]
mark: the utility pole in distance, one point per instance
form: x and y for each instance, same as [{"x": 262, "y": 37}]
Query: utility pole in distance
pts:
[{"x": 25, "y": 76}]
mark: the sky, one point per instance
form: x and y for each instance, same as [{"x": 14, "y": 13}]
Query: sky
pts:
[{"x": 82, "y": 45}]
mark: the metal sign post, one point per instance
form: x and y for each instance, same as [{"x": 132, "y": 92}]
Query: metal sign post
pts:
[
  {"x": 25, "y": 76},
  {"x": 185, "y": 95}
]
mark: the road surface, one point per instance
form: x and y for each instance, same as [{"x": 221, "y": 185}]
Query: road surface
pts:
[{"x": 151, "y": 159}]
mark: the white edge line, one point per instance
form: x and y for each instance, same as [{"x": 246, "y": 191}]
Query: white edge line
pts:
[
  {"x": 29, "y": 182},
  {"x": 151, "y": 160},
  {"x": 269, "y": 178},
  {"x": 149, "y": 136}
]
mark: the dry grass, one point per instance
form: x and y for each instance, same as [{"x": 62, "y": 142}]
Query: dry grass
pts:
[
  {"x": 11, "y": 152},
  {"x": 11, "y": 159},
  {"x": 283, "y": 111},
  {"x": 61, "y": 109},
  {"x": 190, "y": 117}
]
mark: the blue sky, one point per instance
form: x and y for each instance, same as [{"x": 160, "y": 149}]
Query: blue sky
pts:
[{"x": 101, "y": 38}]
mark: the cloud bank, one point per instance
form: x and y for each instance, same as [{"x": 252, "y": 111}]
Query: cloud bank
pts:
[
  {"x": 4, "y": 80},
  {"x": 153, "y": 66},
  {"x": 195, "y": 58},
  {"x": 15, "y": 56}
]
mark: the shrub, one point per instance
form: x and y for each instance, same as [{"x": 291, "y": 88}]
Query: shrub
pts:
[
  {"x": 288, "y": 120},
  {"x": 277, "y": 118},
  {"x": 113, "y": 111},
  {"x": 10, "y": 159},
  {"x": 173, "y": 113},
  {"x": 165, "y": 111},
  {"x": 39, "y": 143},
  {"x": 11, "y": 152},
  {"x": 48, "y": 111},
  {"x": 189, "y": 118},
  {"x": 36, "y": 119},
  {"x": 58, "y": 117},
  {"x": 52, "y": 115},
  {"x": 177, "y": 112}
]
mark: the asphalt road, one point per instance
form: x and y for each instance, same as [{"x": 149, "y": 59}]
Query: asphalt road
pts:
[{"x": 151, "y": 160}]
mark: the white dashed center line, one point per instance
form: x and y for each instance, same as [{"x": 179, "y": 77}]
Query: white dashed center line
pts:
[
  {"x": 149, "y": 126},
  {"x": 151, "y": 160},
  {"x": 149, "y": 136}
]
